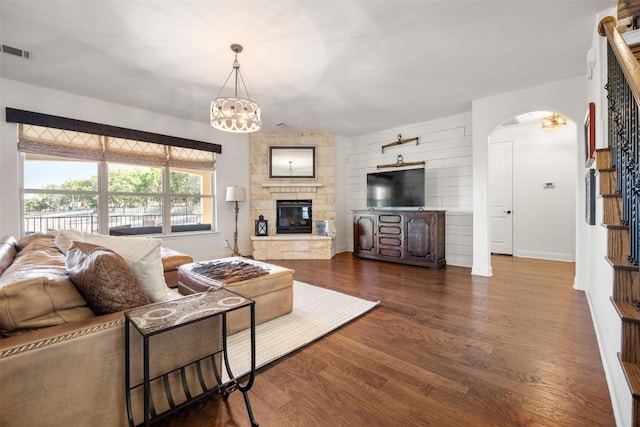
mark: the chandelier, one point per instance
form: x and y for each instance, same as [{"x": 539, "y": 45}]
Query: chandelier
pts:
[
  {"x": 553, "y": 121},
  {"x": 234, "y": 114}
]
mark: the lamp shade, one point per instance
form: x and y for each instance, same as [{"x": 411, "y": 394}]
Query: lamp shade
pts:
[{"x": 236, "y": 194}]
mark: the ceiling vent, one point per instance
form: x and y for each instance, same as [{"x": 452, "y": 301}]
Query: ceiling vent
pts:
[
  {"x": 511, "y": 122},
  {"x": 16, "y": 52},
  {"x": 284, "y": 126}
]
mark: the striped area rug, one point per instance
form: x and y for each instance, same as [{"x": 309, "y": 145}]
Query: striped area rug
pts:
[{"x": 316, "y": 312}]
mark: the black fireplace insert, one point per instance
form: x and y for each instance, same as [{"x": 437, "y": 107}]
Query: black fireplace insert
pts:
[{"x": 293, "y": 216}]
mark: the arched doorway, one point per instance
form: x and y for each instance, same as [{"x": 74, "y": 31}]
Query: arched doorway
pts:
[
  {"x": 567, "y": 96},
  {"x": 532, "y": 187}
]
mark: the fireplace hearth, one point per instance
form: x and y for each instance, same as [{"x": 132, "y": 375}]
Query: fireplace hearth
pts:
[{"x": 293, "y": 216}]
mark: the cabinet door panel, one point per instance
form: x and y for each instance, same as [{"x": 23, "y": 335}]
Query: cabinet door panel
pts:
[
  {"x": 419, "y": 239},
  {"x": 363, "y": 228}
]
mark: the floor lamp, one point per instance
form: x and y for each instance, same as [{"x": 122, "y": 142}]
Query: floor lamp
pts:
[{"x": 236, "y": 194}]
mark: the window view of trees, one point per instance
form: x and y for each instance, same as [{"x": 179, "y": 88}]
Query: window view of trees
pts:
[
  {"x": 59, "y": 202},
  {"x": 135, "y": 197},
  {"x": 121, "y": 181},
  {"x": 184, "y": 183}
]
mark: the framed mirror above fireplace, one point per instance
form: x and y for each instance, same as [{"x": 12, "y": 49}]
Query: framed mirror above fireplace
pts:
[{"x": 292, "y": 162}]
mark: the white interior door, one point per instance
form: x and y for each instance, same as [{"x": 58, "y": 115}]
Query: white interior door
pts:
[{"x": 501, "y": 196}]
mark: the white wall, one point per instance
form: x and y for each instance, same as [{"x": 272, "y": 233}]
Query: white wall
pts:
[
  {"x": 543, "y": 218},
  {"x": 233, "y": 167},
  {"x": 445, "y": 145},
  {"x": 595, "y": 273}
]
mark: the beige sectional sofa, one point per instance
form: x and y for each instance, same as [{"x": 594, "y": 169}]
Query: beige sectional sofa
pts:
[{"x": 60, "y": 363}]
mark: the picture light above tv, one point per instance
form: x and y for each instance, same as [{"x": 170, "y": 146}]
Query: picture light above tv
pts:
[{"x": 395, "y": 189}]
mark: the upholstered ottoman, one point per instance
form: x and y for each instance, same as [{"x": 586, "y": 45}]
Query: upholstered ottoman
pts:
[{"x": 269, "y": 285}]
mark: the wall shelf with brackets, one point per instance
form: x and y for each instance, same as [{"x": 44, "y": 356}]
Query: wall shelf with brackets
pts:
[
  {"x": 400, "y": 141},
  {"x": 401, "y": 163}
]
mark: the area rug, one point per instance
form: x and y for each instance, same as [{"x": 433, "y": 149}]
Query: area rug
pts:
[{"x": 316, "y": 312}]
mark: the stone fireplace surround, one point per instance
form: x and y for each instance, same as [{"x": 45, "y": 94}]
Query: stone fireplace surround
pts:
[{"x": 265, "y": 191}]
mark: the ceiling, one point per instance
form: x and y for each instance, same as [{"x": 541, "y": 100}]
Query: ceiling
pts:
[{"x": 345, "y": 66}]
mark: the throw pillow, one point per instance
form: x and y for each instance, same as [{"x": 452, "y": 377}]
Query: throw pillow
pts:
[
  {"x": 65, "y": 237},
  {"x": 103, "y": 278},
  {"x": 143, "y": 256}
]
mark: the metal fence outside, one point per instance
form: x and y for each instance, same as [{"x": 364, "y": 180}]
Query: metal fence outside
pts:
[{"x": 85, "y": 221}]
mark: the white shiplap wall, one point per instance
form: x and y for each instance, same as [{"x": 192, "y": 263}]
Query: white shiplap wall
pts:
[{"x": 445, "y": 146}]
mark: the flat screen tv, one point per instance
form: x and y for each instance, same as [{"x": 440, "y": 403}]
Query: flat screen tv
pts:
[{"x": 401, "y": 188}]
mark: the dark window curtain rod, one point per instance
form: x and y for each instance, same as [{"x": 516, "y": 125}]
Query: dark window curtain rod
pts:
[{"x": 30, "y": 118}]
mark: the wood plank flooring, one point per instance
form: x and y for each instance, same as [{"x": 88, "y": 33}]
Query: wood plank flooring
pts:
[{"x": 443, "y": 348}]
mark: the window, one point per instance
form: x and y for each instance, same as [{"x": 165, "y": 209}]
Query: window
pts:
[
  {"x": 59, "y": 194},
  {"x": 113, "y": 185}
]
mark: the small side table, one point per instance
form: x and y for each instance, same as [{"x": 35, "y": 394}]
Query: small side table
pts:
[{"x": 161, "y": 317}]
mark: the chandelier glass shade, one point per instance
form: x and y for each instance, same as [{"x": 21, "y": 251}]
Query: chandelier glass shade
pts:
[
  {"x": 553, "y": 121},
  {"x": 235, "y": 114}
]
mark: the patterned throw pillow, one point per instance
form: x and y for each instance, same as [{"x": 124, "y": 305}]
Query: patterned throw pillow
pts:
[
  {"x": 142, "y": 254},
  {"x": 103, "y": 278}
]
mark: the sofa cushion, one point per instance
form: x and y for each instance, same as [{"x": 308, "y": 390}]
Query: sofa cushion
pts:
[
  {"x": 38, "y": 239},
  {"x": 143, "y": 256},
  {"x": 35, "y": 290},
  {"x": 8, "y": 252},
  {"x": 172, "y": 259},
  {"x": 103, "y": 278}
]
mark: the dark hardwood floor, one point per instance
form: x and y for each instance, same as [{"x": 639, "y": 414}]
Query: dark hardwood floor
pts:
[{"x": 443, "y": 348}]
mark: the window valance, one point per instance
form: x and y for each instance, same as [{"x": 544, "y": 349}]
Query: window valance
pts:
[{"x": 154, "y": 149}]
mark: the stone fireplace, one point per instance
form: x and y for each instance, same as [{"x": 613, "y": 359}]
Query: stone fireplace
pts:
[{"x": 319, "y": 191}]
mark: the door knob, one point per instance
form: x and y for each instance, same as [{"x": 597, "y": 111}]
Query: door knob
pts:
[{"x": 507, "y": 212}]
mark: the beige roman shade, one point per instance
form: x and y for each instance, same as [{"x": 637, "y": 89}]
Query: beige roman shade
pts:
[
  {"x": 122, "y": 150},
  {"x": 79, "y": 145},
  {"x": 190, "y": 158},
  {"x": 58, "y": 142}
]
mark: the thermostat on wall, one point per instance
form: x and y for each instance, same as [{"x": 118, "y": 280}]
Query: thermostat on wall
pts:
[{"x": 549, "y": 185}]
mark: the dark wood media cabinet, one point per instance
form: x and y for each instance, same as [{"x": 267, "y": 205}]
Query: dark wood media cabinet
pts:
[{"x": 402, "y": 236}]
